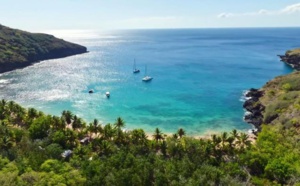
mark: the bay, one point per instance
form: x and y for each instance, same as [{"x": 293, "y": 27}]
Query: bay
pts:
[{"x": 199, "y": 76}]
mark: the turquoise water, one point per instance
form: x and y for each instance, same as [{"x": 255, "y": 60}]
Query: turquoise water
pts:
[{"x": 199, "y": 77}]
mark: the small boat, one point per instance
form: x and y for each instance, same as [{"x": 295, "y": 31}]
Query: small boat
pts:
[
  {"x": 135, "y": 70},
  {"x": 91, "y": 91},
  {"x": 107, "y": 94},
  {"x": 146, "y": 77}
]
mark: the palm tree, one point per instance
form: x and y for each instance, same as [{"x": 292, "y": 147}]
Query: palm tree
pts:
[
  {"x": 71, "y": 137},
  {"x": 74, "y": 123},
  {"x": 57, "y": 123},
  {"x": 68, "y": 115},
  {"x": 234, "y": 134},
  {"x": 158, "y": 135},
  {"x": 108, "y": 131},
  {"x": 119, "y": 123},
  {"x": 32, "y": 113},
  {"x": 12, "y": 106},
  {"x": 105, "y": 148},
  {"x": 175, "y": 136},
  {"x": 243, "y": 141},
  {"x": 90, "y": 130},
  {"x": 6, "y": 143},
  {"x": 163, "y": 148},
  {"x": 181, "y": 132},
  {"x": 95, "y": 122},
  {"x": 20, "y": 115},
  {"x": 216, "y": 140},
  {"x": 230, "y": 141},
  {"x": 3, "y": 103},
  {"x": 138, "y": 136},
  {"x": 2, "y": 109},
  {"x": 224, "y": 138},
  {"x": 95, "y": 127}
]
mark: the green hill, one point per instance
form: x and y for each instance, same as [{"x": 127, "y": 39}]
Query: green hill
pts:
[{"x": 19, "y": 48}]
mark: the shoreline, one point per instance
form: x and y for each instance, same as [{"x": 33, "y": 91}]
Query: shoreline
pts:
[
  {"x": 8, "y": 67},
  {"x": 207, "y": 136}
]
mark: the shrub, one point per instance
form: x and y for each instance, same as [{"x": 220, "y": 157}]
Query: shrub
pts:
[
  {"x": 273, "y": 109},
  {"x": 286, "y": 87}
]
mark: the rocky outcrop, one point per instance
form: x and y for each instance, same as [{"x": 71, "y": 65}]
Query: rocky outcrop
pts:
[
  {"x": 292, "y": 58},
  {"x": 254, "y": 107},
  {"x": 19, "y": 49}
]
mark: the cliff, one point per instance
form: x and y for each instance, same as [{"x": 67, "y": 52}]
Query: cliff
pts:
[
  {"x": 292, "y": 58},
  {"x": 277, "y": 102},
  {"x": 20, "y": 48}
]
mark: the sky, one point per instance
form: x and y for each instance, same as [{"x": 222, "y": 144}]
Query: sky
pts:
[{"x": 36, "y": 15}]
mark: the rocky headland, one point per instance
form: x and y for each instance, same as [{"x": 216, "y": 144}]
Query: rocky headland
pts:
[
  {"x": 292, "y": 58},
  {"x": 19, "y": 48},
  {"x": 278, "y": 101}
]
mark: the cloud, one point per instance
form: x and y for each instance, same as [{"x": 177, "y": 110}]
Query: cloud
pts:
[
  {"x": 291, "y": 8},
  {"x": 225, "y": 15},
  {"x": 287, "y": 10}
]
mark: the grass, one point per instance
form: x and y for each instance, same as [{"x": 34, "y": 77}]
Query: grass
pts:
[{"x": 293, "y": 52}]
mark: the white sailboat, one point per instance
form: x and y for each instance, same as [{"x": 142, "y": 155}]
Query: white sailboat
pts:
[
  {"x": 135, "y": 70},
  {"x": 147, "y": 78}
]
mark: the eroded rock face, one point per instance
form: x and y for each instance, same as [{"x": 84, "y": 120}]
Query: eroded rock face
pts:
[
  {"x": 254, "y": 107},
  {"x": 291, "y": 59}
]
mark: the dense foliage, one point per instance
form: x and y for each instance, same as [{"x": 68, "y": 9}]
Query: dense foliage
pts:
[
  {"x": 40, "y": 149},
  {"x": 20, "y": 47}
]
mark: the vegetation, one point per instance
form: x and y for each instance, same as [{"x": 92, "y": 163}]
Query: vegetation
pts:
[
  {"x": 40, "y": 149},
  {"x": 295, "y": 51},
  {"x": 19, "y": 48},
  {"x": 282, "y": 100}
]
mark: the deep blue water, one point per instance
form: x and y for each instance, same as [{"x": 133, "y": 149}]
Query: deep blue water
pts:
[{"x": 199, "y": 77}]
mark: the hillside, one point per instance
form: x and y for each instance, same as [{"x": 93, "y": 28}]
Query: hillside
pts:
[
  {"x": 19, "y": 48},
  {"x": 278, "y": 102}
]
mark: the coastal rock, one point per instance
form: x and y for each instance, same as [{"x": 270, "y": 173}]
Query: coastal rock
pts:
[
  {"x": 254, "y": 107},
  {"x": 19, "y": 49},
  {"x": 292, "y": 58},
  {"x": 254, "y": 93}
]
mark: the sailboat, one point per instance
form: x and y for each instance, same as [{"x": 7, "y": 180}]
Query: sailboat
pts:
[
  {"x": 146, "y": 78},
  {"x": 134, "y": 68}
]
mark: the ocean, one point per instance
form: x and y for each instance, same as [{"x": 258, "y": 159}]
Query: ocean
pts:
[{"x": 199, "y": 76}]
